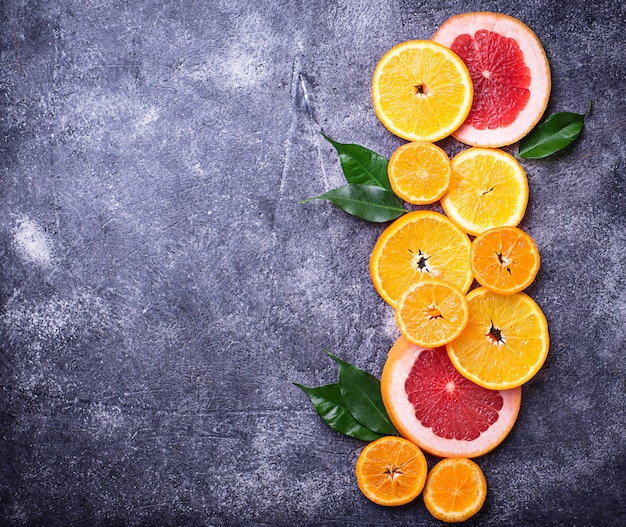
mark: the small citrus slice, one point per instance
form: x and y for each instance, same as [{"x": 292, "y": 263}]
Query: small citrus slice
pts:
[
  {"x": 504, "y": 260},
  {"x": 505, "y": 342},
  {"x": 433, "y": 405},
  {"x": 510, "y": 74},
  {"x": 455, "y": 490},
  {"x": 420, "y": 244},
  {"x": 391, "y": 471},
  {"x": 488, "y": 188},
  {"x": 431, "y": 313},
  {"x": 421, "y": 91},
  {"x": 419, "y": 172}
]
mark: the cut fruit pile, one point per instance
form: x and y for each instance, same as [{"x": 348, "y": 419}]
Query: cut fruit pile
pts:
[{"x": 451, "y": 384}]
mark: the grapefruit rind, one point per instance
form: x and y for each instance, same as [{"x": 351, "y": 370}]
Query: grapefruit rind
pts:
[
  {"x": 412, "y": 111},
  {"x": 535, "y": 59},
  {"x": 400, "y": 360}
]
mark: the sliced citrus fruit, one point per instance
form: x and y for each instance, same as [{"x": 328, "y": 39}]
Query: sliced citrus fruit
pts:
[
  {"x": 433, "y": 405},
  {"x": 421, "y": 91},
  {"x": 419, "y": 172},
  {"x": 419, "y": 244},
  {"x": 510, "y": 74},
  {"x": 488, "y": 188},
  {"x": 455, "y": 490},
  {"x": 505, "y": 342},
  {"x": 431, "y": 313},
  {"x": 504, "y": 260},
  {"x": 391, "y": 471}
]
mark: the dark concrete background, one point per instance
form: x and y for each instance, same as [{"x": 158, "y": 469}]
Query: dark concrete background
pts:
[{"x": 161, "y": 287}]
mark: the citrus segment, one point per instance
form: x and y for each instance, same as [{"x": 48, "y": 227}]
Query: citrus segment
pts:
[
  {"x": 504, "y": 260},
  {"x": 420, "y": 244},
  {"x": 505, "y": 342},
  {"x": 391, "y": 471},
  {"x": 432, "y": 313},
  {"x": 419, "y": 172},
  {"x": 433, "y": 405},
  {"x": 455, "y": 490},
  {"x": 421, "y": 91},
  {"x": 488, "y": 188},
  {"x": 510, "y": 74}
]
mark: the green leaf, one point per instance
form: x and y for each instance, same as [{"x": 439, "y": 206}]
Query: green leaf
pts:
[
  {"x": 361, "y": 394},
  {"x": 329, "y": 404},
  {"x": 361, "y": 165},
  {"x": 555, "y": 133},
  {"x": 365, "y": 201}
]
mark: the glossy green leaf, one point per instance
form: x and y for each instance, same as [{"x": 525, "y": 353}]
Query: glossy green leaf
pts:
[
  {"x": 365, "y": 201},
  {"x": 361, "y": 394},
  {"x": 330, "y": 407},
  {"x": 556, "y": 133},
  {"x": 360, "y": 165}
]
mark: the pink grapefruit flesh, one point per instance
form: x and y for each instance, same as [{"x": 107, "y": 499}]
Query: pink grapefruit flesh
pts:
[
  {"x": 509, "y": 71},
  {"x": 432, "y": 404}
]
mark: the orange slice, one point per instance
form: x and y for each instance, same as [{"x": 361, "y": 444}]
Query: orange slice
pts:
[
  {"x": 421, "y": 91},
  {"x": 455, "y": 490},
  {"x": 419, "y": 172},
  {"x": 505, "y": 342},
  {"x": 420, "y": 244},
  {"x": 432, "y": 313},
  {"x": 391, "y": 471},
  {"x": 504, "y": 260},
  {"x": 433, "y": 405},
  {"x": 488, "y": 188}
]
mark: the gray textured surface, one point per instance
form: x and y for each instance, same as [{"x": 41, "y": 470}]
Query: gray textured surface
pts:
[{"x": 161, "y": 287}]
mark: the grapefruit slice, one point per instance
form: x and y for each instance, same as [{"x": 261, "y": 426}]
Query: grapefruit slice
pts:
[
  {"x": 432, "y": 404},
  {"x": 510, "y": 74}
]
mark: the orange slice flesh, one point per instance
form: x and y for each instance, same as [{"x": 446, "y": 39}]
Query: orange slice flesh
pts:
[
  {"x": 419, "y": 172},
  {"x": 504, "y": 260},
  {"x": 488, "y": 188},
  {"x": 421, "y": 91},
  {"x": 391, "y": 471},
  {"x": 455, "y": 490},
  {"x": 510, "y": 74},
  {"x": 419, "y": 245},
  {"x": 505, "y": 342},
  {"x": 433, "y": 405},
  {"x": 432, "y": 313}
]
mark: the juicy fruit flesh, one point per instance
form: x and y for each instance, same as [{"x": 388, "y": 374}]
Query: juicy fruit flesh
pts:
[
  {"x": 455, "y": 490},
  {"x": 421, "y": 91},
  {"x": 505, "y": 341},
  {"x": 391, "y": 471},
  {"x": 452, "y": 406},
  {"x": 500, "y": 76},
  {"x": 420, "y": 245}
]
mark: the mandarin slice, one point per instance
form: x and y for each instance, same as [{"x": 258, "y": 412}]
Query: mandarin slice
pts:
[
  {"x": 432, "y": 313},
  {"x": 504, "y": 260},
  {"x": 391, "y": 471},
  {"x": 419, "y": 172},
  {"x": 455, "y": 490}
]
